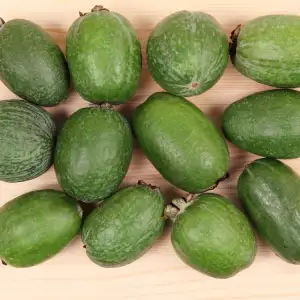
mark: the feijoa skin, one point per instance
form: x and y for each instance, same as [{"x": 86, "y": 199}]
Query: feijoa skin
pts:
[
  {"x": 104, "y": 56},
  {"x": 181, "y": 142},
  {"x": 36, "y": 226},
  {"x": 187, "y": 53},
  {"x": 124, "y": 226},
  {"x": 27, "y": 139},
  {"x": 270, "y": 193},
  {"x": 265, "y": 123},
  {"x": 93, "y": 153},
  {"x": 265, "y": 49},
  {"x": 211, "y": 235},
  {"x": 31, "y": 64}
]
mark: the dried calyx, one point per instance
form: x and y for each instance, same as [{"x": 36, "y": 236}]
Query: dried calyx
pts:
[
  {"x": 2, "y": 22},
  {"x": 152, "y": 187},
  {"x": 96, "y": 8},
  {"x": 177, "y": 206},
  {"x": 233, "y": 40}
]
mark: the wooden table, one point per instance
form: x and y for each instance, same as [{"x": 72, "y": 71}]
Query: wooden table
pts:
[{"x": 158, "y": 275}]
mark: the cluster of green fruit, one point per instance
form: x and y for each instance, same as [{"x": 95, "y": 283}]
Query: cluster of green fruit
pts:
[{"x": 187, "y": 53}]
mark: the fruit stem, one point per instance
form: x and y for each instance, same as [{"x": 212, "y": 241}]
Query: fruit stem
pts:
[
  {"x": 2, "y": 22},
  {"x": 177, "y": 206},
  {"x": 233, "y": 40},
  {"x": 98, "y": 8}
]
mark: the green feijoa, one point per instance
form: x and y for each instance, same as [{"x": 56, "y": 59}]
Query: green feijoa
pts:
[
  {"x": 27, "y": 137},
  {"x": 265, "y": 123},
  {"x": 181, "y": 142},
  {"x": 187, "y": 52},
  {"x": 265, "y": 49},
  {"x": 31, "y": 64},
  {"x": 104, "y": 56},
  {"x": 270, "y": 193},
  {"x": 124, "y": 226},
  {"x": 36, "y": 226},
  {"x": 93, "y": 153},
  {"x": 211, "y": 235}
]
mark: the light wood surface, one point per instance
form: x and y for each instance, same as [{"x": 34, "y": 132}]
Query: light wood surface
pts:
[{"x": 158, "y": 275}]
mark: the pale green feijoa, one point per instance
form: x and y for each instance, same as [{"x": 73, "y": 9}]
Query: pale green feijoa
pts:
[
  {"x": 187, "y": 53},
  {"x": 36, "y": 226},
  {"x": 31, "y": 64},
  {"x": 27, "y": 137},
  {"x": 124, "y": 226},
  {"x": 265, "y": 123},
  {"x": 181, "y": 142},
  {"x": 104, "y": 56},
  {"x": 270, "y": 193},
  {"x": 266, "y": 50},
  {"x": 93, "y": 153},
  {"x": 211, "y": 235}
]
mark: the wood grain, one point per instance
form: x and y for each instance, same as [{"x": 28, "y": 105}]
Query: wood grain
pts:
[{"x": 159, "y": 274}]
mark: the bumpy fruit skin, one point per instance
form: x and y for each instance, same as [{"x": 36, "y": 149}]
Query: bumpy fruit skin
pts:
[
  {"x": 214, "y": 237},
  {"x": 181, "y": 142},
  {"x": 187, "y": 53},
  {"x": 93, "y": 153},
  {"x": 265, "y": 123},
  {"x": 270, "y": 193},
  {"x": 104, "y": 56},
  {"x": 27, "y": 137},
  {"x": 266, "y": 50},
  {"x": 36, "y": 226},
  {"x": 31, "y": 64},
  {"x": 124, "y": 226}
]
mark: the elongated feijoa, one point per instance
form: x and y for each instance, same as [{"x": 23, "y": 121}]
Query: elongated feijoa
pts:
[
  {"x": 270, "y": 193},
  {"x": 126, "y": 225},
  {"x": 181, "y": 142},
  {"x": 266, "y": 50},
  {"x": 36, "y": 226},
  {"x": 265, "y": 123},
  {"x": 104, "y": 56},
  {"x": 31, "y": 64}
]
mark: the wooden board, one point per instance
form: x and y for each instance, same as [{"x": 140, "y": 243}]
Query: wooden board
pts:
[{"x": 159, "y": 275}]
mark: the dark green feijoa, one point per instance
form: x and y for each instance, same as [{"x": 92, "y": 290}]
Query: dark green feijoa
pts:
[
  {"x": 265, "y": 123},
  {"x": 181, "y": 142},
  {"x": 124, "y": 226},
  {"x": 270, "y": 193},
  {"x": 31, "y": 64},
  {"x": 211, "y": 235},
  {"x": 93, "y": 153},
  {"x": 266, "y": 50},
  {"x": 187, "y": 53},
  {"x": 27, "y": 137},
  {"x": 36, "y": 226},
  {"x": 104, "y": 56}
]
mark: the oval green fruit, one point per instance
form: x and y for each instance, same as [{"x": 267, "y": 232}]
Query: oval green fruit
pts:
[
  {"x": 211, "y": 235},
  {"x": 36, "y": 226},
  {"x": 270, "y": 193},
  {"x": 266, "y": 50},
  {"x": 265, "y": 123},
  {"x": 124, "y": 226},
  {"x": 187, "y": 53},
  {"x": 27, "y": 137},
  {"x": 32, "y": 64},
  {"x": 104, "y": 56},
  {"x": 181, "y": 142},
  {"x": 93, "y": 153}
]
